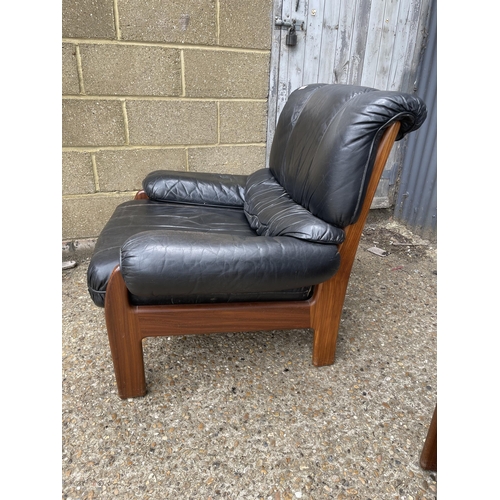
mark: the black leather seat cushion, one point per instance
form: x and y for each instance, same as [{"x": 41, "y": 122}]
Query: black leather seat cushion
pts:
[{"x": 212, "y": 255}]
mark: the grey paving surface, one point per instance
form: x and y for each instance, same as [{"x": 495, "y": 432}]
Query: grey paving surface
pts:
[{"x": 247, "y": 416}]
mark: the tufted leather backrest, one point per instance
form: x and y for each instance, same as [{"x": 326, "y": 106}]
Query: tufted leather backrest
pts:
[{"x": 326, "y": 140}]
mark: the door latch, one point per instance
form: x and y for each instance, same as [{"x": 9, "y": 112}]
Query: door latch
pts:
[
  {"x": 289, "y": 23},
  {"x": 292, "y": 25}
]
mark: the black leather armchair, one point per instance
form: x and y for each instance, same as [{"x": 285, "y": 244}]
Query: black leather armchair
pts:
[{"x": 206, "y": 253}]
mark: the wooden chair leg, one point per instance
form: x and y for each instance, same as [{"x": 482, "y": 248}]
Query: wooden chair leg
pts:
[
  {"x": 125, "y": 340},
  {"x": 325, "y": 320},
  {"x": 325, "y": 342}
]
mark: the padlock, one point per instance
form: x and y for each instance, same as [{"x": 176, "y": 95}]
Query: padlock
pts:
[{"x": 291, "y": 37}]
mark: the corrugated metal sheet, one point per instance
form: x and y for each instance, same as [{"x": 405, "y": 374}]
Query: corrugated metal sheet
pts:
[{"x": 416, "y": 203}]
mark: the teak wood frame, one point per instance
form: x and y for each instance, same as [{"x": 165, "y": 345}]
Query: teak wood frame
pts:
[{"x": 128, "y": 324}]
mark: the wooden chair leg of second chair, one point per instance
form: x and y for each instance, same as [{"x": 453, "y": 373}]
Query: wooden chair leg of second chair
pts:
[{"x": 428, "y": 457}]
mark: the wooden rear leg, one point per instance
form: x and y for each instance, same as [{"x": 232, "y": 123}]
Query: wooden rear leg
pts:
[
  {"x": 325, "y": 319},
  {"x": 328, "y": 301},
  {"x": 124, "y": 339}
]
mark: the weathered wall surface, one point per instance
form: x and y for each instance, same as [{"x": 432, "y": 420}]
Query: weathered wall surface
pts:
[{"x": 158, "y": 84}]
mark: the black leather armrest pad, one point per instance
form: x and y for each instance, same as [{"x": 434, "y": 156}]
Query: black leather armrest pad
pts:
[
  {"x": 197, "y": 188},
  {"x": 160, "y": 263}
]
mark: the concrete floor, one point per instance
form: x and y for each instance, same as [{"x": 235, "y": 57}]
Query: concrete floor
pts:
[{"x": 247, "y": 416}]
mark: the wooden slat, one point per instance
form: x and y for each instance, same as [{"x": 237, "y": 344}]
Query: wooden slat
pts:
[
  {"x": 388, "y": 34},
  {"x": 343, "y": 47},
  {"x": 296, "y": 54},
  {"x": 329, "y": 38},
  {"x": 358, "y": 43},
  {"x": 373, "y": 41},
  {"x": 403, "y": 49},
  {"x": 274, "y": 75},
  {"x": 284, "y": 85},
  {"x": 311, "y": 52},
  {"x": 418, "y": 21}
]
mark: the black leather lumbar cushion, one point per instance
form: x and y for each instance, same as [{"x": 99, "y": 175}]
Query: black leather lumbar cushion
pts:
[{"x": 271, "y": 212}]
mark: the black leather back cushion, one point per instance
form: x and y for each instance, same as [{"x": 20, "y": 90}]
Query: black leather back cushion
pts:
[{"x": 326, "y": 140}]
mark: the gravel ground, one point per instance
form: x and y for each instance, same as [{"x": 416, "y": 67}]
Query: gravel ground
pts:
[{"x": 247, "y": 416}]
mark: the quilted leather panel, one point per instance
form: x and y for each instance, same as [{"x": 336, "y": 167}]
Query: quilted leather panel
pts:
[{"x": 196, "y": 188}]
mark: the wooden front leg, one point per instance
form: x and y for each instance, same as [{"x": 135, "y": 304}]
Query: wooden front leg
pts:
[{"x": 125, "y": 340}]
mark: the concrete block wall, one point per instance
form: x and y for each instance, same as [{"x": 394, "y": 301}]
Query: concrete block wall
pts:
[{"x": 158, "y": 84}]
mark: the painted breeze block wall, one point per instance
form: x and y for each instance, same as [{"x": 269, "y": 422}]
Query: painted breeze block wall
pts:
[{"x": 158, "y": 84}]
